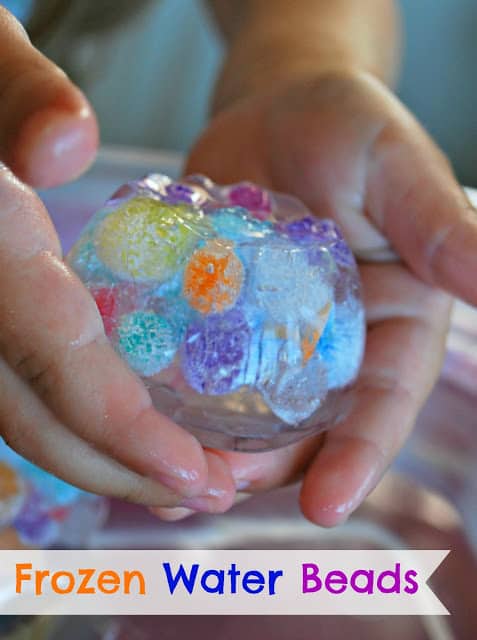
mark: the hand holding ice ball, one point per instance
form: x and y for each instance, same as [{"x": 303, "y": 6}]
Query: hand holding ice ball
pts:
[
  {"x": 297, "y": 116},
  {"x": 240, "y": 310}
]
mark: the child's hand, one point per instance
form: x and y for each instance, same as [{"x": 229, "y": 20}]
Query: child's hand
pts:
[
  {"x": 67, "y": 401},
  {"x": 346, "y": 146}
]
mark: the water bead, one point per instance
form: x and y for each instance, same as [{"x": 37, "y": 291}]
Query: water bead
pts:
[
  {"x": 213, "y": 277},
  {"x": 215, "y": 353},
  {"x": 175, "y": 310},
  {"x": 114, "y": 301},
  {"x": 34, "y": 524},
  {"x": 106, "y": 302},
  {"x": 148, "y": 240},
  {"x": 35, "y": 503},
  {"x": 146, "y": 341},
  {"x": 312, "y": 333},
  {"x": 318, "y": 233},
  {"x": 177, "y": 192},
  {"x": 252, "y": 197},
  {"x": 235, "y": 223},
  {"x": 286, "y": 286},
  {"x": 12, "y": 494},
  {"x": 341, "y": 345}
]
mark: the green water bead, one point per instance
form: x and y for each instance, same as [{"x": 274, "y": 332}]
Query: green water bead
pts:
[{"x": 147, "y": 341}]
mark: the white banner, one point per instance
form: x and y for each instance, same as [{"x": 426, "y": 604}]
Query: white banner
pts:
[{"x": 286, "y": 582}]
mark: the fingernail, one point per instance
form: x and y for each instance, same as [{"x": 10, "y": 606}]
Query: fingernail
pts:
[
  {"x": 215, "y": 500},
  {"x": 54, "y": 146},
  {"x": 179, "y": 480},
  {"x": 220, "y": 493},
  {"x": 241, "y": 485},
  {"x": 201, "y": 503},
  {"x": 171, "y": 514}
]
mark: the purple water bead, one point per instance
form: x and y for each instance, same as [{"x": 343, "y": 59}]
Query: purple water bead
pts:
[
  {"x": 34, "y": 523},
  {"x": 177, "y": 193},
  {"x": 215, "y": 353},
  {"x": 251, "y": 197},
  {"x": 324, "y": 232}
]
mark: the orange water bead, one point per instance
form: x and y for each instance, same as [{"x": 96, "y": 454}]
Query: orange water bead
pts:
[
  {"x": 313, "y": 334},
  {"x": 213, "y": 277}
]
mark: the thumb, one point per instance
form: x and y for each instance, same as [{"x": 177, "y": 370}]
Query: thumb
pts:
[{"x": 48, "y": 132}]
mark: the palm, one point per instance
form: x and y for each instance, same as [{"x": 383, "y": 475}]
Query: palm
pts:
[{"x": 339, "y": 145}]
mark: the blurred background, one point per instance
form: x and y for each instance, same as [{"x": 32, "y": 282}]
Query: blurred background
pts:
[{"x": 149, "y": 67}]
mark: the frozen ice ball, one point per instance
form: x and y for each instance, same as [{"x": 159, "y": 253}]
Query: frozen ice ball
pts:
[{"x": 240, "y": 309}]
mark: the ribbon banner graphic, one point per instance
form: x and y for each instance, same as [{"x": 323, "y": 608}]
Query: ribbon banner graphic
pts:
[{"x": 219, "y": 582}]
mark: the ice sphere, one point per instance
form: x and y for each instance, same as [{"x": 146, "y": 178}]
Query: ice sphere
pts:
[{"x": 241, "y": 310}]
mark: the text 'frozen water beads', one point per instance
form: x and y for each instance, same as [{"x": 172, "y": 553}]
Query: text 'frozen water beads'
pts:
[{"x": 240, "y": 309}]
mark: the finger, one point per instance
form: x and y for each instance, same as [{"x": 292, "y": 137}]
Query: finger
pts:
[
  {"x": 414, "y": 199},
  {"x": 175, "y": 514},
  {"x": 172, "y": 514},
  {"x": 391, "y": 291},
  {"x": 255, "y": 472},
  {"x": 352, "y": 151},
  {"x": 402, "y": 360},
  {"x": 52, "y": 336},
  {"x": 30, "y": 429},
  {"x": 33, "y": 432},
  {"x": 218, "y": 497},
  {"x": 48, "y": 132}
]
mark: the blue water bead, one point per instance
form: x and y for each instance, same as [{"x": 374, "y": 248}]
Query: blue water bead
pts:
[
  {"x": 56, "y": 492},
  {"x": 147, "y": 341},
  {"x": 83, "y": 256},
  {"x": 341, "y": 345},
  {"x": 88, "y": 266},
  {"x": 216, "y": 353},
  {"x": 286, "y": 286},
  {"x": 173, "y": 308},
  {"x": 235, "y": 223}
]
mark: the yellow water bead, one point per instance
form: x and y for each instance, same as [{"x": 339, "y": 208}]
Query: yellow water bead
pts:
[{"x": 149, "y": 240}]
